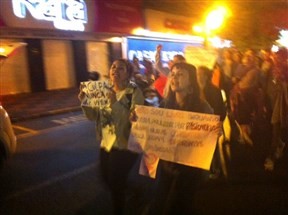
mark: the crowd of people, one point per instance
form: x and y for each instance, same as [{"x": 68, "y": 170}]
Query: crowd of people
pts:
[
  {"x": 256, "y": 92},
  {"x": 256, "y": 88}
]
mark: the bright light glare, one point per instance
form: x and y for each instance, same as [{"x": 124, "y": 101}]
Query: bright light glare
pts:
[
  {"x": 217, "y": 42},
  {"x": 216, "y": 18},
  {"x": 283, "y": 41},
  {"x": 147, "y": 33},
  {"x": 7, "y": 47},
  {"x": 275, "y": 48},
  {"x": 198, "y": 29},
  {"x": 115, "y": 39},
  {"x": 3, "y": 52}
]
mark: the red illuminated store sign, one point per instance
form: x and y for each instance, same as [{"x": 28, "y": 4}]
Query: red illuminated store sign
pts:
[
  {"x": 2, "y": 23},
  {"x": 118, "y": 16}
]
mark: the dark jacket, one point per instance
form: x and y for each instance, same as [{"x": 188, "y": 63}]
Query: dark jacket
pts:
[{"x": 214, "y": 98}]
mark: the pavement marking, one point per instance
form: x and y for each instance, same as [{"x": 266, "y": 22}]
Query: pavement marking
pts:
[
  {"x": 47, "y": 130},
  {"x": 25, "y": 129},
  {"x": 50, "y": 182},
  {"x": 71, "y": 119}
]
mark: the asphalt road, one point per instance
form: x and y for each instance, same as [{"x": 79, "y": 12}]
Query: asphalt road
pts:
[{"x": 55, "y": 171}]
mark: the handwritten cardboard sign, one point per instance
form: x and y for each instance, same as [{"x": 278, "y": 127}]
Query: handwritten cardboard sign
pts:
[
  {"x": 96, "y": 93},
  {"x": 200, "y": 56},
  {"x": 179, "y": 136}
]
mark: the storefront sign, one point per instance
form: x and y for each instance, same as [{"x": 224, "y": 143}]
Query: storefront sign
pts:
[
  {"x": 146, "y": 48},
  {"x": 160, "y": 21},
  {"x": 65, "y": 14}
]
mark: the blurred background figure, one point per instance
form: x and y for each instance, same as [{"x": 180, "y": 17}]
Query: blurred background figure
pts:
[
  {"x": 138, "y": 76},
  {"x": 149, "y": 73},
  {"x": 213, "y": 96},
  {"x": 152, "y": 97},
  {"x": 228, "y": 68},
  {"x": 158, "y": 62},
  {"x": 265, "y": 68},
  {"x": 136, "y": 64},
  {"x": 243, "y": 99},
  {"x": 277, "y": 90},
  {"x": 160, "y": 83},
  {"x": 210, "y": 92},
  {"x": 216, "y": 76}
]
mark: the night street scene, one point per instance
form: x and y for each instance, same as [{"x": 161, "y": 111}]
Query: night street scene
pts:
[{"x": 140, "y": 107}]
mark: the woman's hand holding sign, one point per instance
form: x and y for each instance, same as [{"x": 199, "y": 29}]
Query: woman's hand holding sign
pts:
[
  {"x": 133, "y": 116},
  {"x": 81, "y": 94}
]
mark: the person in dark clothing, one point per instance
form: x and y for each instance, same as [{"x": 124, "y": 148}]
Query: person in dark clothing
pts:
[
  {"x": 228, "y": 70},
  {"x": 209, "y": 92},
  {"x": 277, "y": 90},
  {"x": 178, "y": 183},
  {"x": 243, "y": 96},
  {"x": 213, "y": 96}
]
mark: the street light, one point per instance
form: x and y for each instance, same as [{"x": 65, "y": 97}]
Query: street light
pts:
[
  {"x": 213, "y": 21},
  {"x": 215, "y": 18}
]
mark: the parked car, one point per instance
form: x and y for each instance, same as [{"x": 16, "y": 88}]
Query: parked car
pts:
[{"x": 8, "y": 141}]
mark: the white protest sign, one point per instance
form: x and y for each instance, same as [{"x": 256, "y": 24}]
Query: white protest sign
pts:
[
  {"x": 148, "y": 165},
  {"x": 96, "y": 93},
  {"x": 200, "y": 56},
  {"x": 108, "y": 137},
  {"x": 179, "y": 136}
]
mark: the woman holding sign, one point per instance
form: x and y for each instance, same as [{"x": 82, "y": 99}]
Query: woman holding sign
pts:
[
  {"x": 113, "y": 128},
  {"x": 177, "y": 182}
]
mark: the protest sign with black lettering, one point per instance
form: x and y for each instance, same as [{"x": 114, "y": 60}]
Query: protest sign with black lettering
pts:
[
  {"x": 95, "y": 93},
  {"x": 179, "y": 136}
]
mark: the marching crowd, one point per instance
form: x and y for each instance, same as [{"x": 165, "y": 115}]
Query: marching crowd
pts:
[{"x": 250, "y": 88}]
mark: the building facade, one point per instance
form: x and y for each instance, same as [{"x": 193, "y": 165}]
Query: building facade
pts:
[{"x": 55, "y": 44}]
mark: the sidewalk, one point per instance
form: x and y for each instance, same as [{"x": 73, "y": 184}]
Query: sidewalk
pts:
[{"x": 32, "y": 105}]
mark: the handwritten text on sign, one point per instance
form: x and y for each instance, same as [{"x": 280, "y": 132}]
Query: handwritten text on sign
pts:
[
  {"x": 179, "y": 136},
  {"x": 96, "y": 93}
]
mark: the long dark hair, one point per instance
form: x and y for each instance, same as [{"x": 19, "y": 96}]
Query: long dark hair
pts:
[
  {"x": 194, "y": 95},
  {"x": 207, "y": 72}
]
